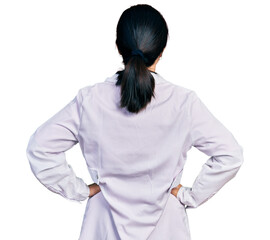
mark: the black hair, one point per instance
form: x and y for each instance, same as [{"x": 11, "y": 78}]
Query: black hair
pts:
[{"x": 140, "y": 28}]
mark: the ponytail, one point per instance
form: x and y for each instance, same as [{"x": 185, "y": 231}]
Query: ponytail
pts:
[
  {"x": 141, "y": 36},
  {"x": 137, "y": 83}
]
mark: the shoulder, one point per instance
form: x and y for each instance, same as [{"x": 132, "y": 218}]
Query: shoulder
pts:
[
  {"x": 97, "y": 89},
  {"x": 87, "y": 90},
  {"x": 182, "y": 96},
  {"x": 181, "y": 91}
]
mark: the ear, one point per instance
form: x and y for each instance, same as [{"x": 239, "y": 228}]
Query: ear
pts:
[{"x": 160, "y": 55}]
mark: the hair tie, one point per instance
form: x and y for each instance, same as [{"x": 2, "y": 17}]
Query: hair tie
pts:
[{"x": 137, "y": 52}]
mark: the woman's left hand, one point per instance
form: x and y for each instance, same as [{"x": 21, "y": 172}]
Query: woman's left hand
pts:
[{"x": 94, "y": 189}]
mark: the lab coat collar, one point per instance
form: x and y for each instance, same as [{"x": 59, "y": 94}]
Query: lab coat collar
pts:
[{"x": 158, "y": 78}]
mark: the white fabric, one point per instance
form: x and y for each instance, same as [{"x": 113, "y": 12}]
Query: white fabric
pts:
[{"x": 136, "y": 159}]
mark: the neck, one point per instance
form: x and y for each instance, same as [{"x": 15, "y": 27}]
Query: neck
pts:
[{"x": 153, "y": 69}]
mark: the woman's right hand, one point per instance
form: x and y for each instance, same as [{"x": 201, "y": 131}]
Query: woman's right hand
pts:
[{"x": 175, "y": 190}]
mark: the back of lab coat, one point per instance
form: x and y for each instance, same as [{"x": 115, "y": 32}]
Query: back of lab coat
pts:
[{"x": 136, "y": 159}]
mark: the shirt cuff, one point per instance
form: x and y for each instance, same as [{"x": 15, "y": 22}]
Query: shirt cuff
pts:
[
  {"x": 182, "y": 194},
  {"x": 86, "y": 192}
]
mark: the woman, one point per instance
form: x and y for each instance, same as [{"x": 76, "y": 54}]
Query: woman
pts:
[{"x": 134, "y": 130}]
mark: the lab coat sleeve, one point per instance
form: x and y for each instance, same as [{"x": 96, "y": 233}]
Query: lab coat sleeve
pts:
[
  {"x": 46, "y": 152},
  {"x": 211, "y": 137}
]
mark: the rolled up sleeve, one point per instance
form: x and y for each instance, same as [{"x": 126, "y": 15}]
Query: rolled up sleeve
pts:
[
  {"x": 46, "y": 152},
  {"x": 211, "y": 137}
]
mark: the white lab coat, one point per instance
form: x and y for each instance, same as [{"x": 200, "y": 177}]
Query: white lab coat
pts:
[{"x": 136, "y": 159}]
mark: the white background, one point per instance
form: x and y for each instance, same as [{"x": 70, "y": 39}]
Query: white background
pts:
[{"x": 51, "y": 49}]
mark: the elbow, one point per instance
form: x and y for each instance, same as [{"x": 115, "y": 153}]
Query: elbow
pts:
[
  {"x": 237, "y": 157},
  {"x": 238, "y": 160},
  {"x": 29, "y": 152},
  {"x": 31, "y": 156},
  {"x": 240, "y": 157}
]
